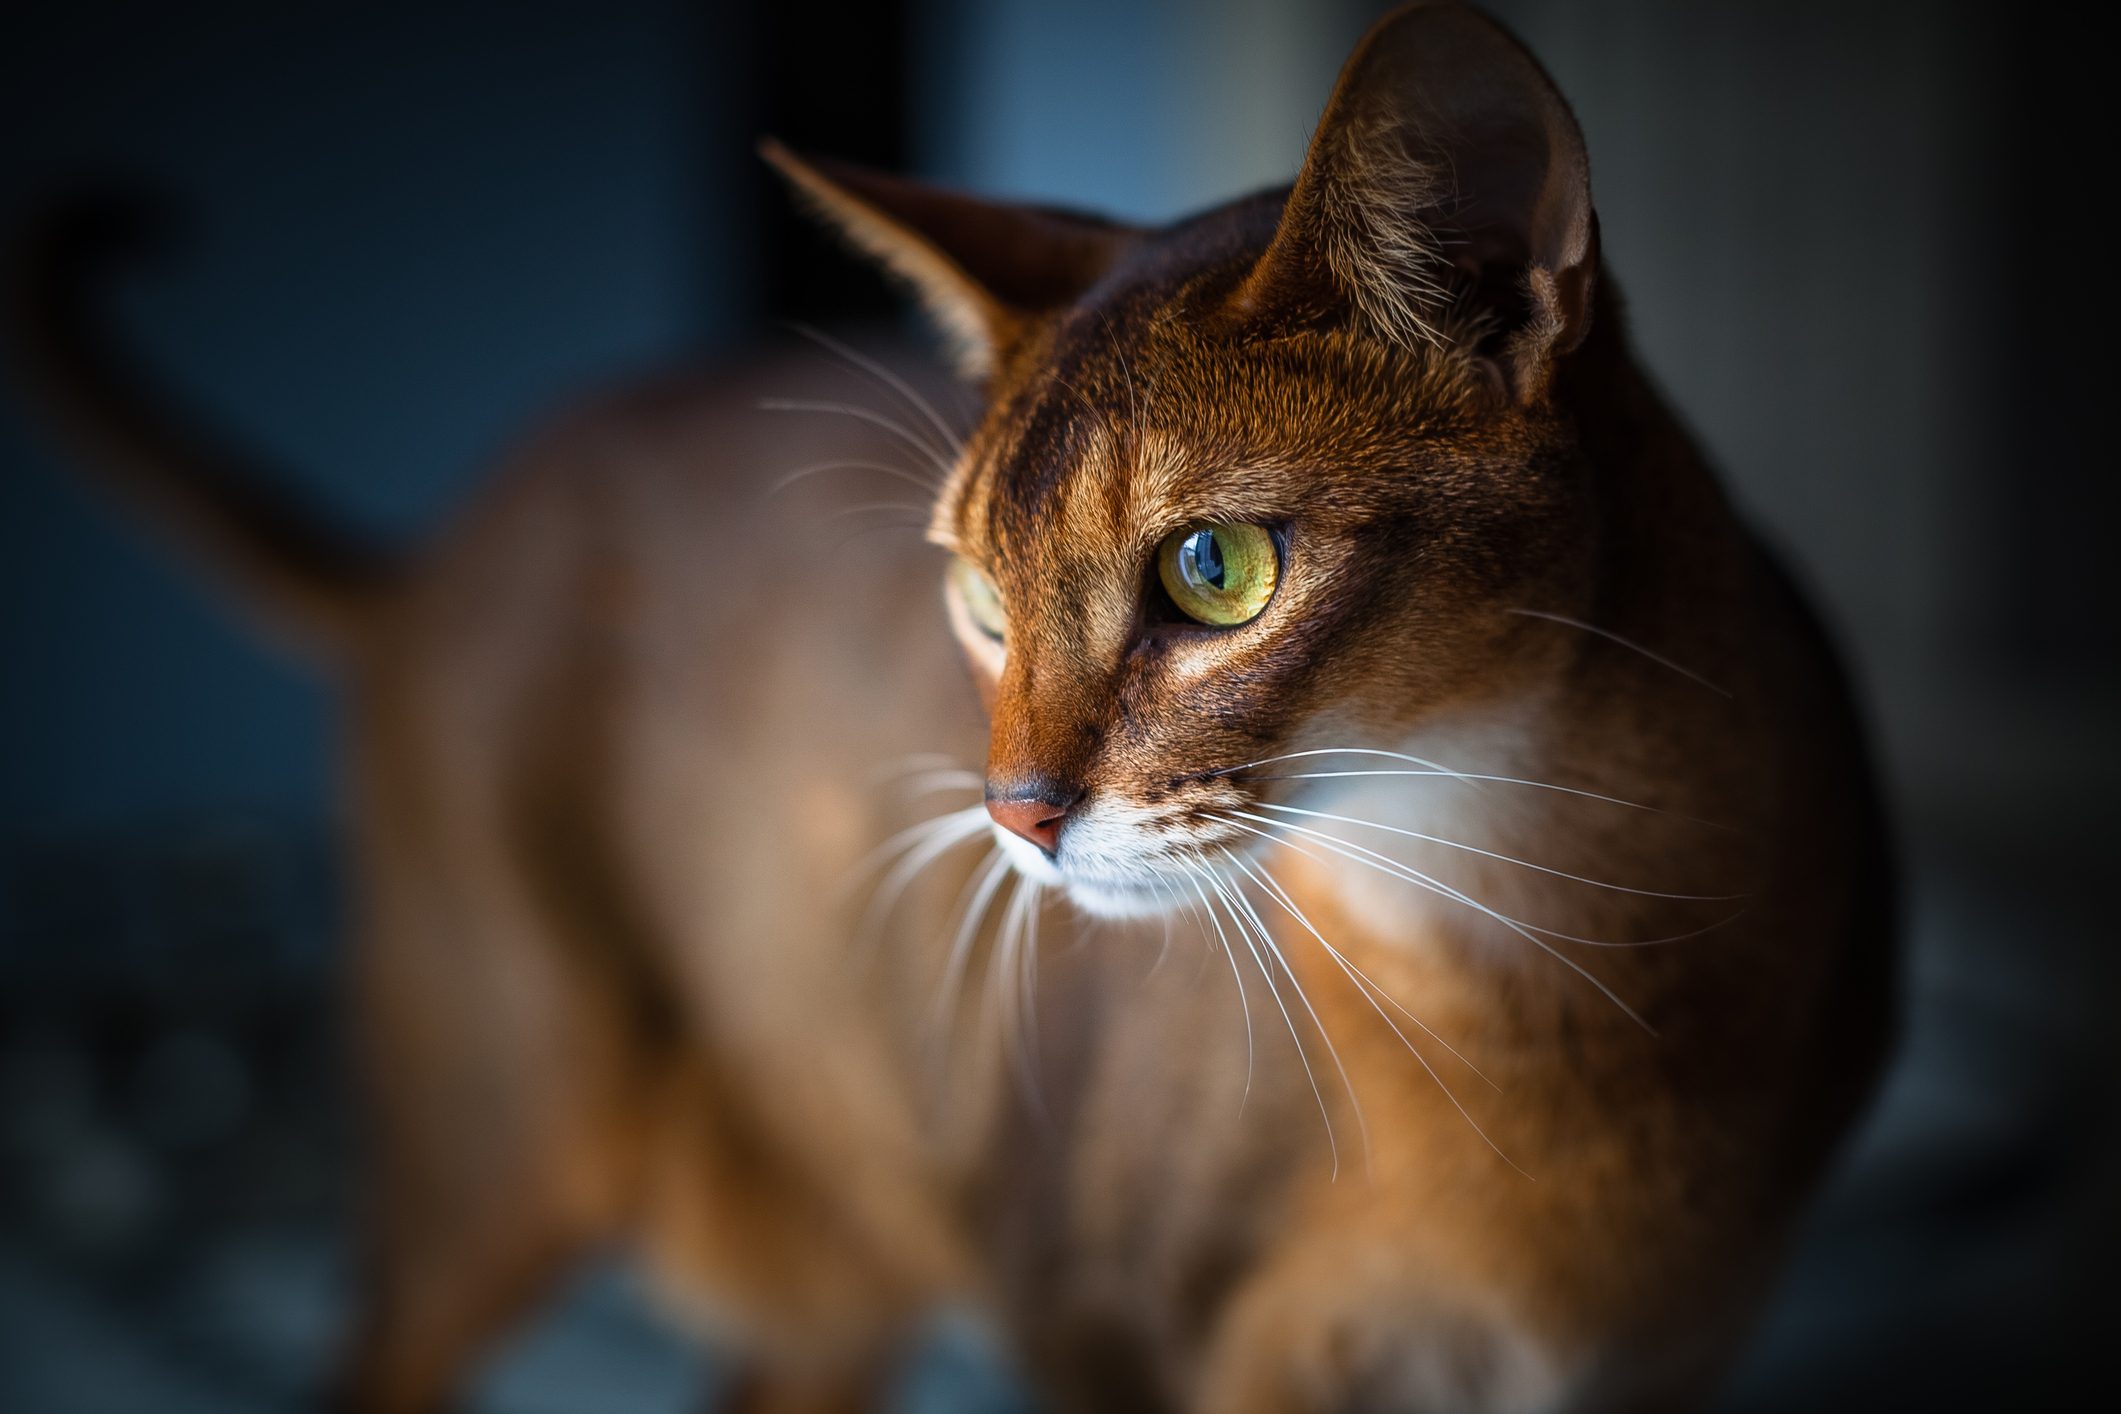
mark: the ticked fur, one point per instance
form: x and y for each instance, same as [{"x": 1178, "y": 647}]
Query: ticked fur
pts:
[{"x": 1518, "y": 907}]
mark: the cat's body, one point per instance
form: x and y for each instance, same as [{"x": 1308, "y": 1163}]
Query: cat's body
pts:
[{"x": 1328, "y": 1136}]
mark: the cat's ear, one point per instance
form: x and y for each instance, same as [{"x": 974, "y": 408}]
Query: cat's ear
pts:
[
  {"x": 982, "y": 269},
  {"x": 1446, "y": 170}
]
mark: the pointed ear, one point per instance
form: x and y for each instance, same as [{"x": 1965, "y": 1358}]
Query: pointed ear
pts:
[
  {"x": 1447, "y": 170},
  {"x": 982, "y": 270}
]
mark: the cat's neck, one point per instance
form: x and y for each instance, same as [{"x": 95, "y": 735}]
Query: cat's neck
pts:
[
  {"x": 1547, "y": 822},
  {"x": 1669, "y": 541}
]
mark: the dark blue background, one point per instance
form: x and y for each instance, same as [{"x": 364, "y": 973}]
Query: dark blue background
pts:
[{"x": 1860, "y": 248}]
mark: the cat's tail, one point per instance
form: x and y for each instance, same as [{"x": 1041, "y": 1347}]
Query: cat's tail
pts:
[{"x": 306, "y": 580}]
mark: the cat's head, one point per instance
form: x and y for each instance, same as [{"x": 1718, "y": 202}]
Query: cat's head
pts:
[{"x": 1269, "y": 480}]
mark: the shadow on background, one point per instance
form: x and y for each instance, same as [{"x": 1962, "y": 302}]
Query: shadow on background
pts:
[{"x": 1852, "y": 245}]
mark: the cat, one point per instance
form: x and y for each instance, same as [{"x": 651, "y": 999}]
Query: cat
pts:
[{"x": 1435, "y": 916}]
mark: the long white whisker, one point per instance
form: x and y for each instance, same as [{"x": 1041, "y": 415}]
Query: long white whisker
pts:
[
  {"x": 1184, "y": 899},
  {"x": 922, "y": 783},
  {"x": 982, "y": 891},
  {"x": 897, "y": 473},
  {"x": 1365, "y": 986},
  {"x": 929, "y": 841},
  {"x": 1341, "y": 846},
  {"x": 1008, "y": 977},
  {"x": 1406, "y": 873},
  {"x": 1266, "y": 938},
  {"x": 1031, "y": 948},
  {"x": 1435, "y": 766},
  {"x": 904, "y": 765},
  {"x": 950, "y": 442},
  {"x": 1274, "y": 990},
  {"x": 1243, "y": 1001},
  {"x": 1431, "y": 768},
  {"x": 860, "y": 414},
  {"x": 904, "y": 522},
  {"x": 905, "y": 508},
  {"x": 1503, "y": 858},
  {"x": 1163, "y": 952},
  {"x": 1028, "y": 966},
  {"x": 997, "y": 985},
  {"x": 1611, "y": 637},
  {"x": 1364, "y": 982},
  {"x": 952, "y": 820},
  {"x": 1499, "y": 780}
]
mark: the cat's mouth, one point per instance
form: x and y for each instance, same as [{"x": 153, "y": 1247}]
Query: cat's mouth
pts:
[{"x": 1115, "y": 862}]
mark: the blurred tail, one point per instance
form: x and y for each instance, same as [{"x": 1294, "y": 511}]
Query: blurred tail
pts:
[{"x": 302, "y": 577}]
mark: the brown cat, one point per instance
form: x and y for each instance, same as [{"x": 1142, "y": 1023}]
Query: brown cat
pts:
[{"x": 1517, "y": 912}]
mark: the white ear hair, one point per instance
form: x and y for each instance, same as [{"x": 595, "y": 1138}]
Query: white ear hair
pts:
[
  {"x": 1446, "y": 165},
  {"x": 980, "y": 269}
]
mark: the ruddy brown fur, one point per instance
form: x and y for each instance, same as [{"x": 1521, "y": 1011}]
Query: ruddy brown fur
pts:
[{"x": 1520, "y": 1121}]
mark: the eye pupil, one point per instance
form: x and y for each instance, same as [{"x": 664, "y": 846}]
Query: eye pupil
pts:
[
  {"x": 1220, "y": 574},
  {"x": 1206, "y": 553}
]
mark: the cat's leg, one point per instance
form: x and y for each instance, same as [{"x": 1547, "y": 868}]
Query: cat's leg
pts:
[
  {"x": 443, "y": 1280},
  {"x": 475, "y": 1206},
  {"x": 856, "y": 1387},
  {"x": 1312, "y": 1337},
  {"x": 493, "y": 1150}
]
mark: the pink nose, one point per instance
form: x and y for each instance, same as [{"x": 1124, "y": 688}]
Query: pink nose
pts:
[{"x": 1035, "y": 817}]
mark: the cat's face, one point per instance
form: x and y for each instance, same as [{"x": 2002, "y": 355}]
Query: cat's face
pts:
[
  {"x": 1182, "y": 554},
  {"x": 1268, "y": 481}
]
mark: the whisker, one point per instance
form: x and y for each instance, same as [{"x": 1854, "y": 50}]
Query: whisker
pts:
[
  {"x": 1163, "y": 953},
  {"x": 1467, "y": 777},
  {"x": 1412, "y": 875},
  {"x": 1503, "y": 858},
  {"x": 933, "y": 839},
  {"x": 1008, "y": 977},
  {"x": 981, "y": 892},
  {"x": 1424, "y": 761},
  {"x": 1658, "y": 658},
  {"x": 1243, "y": 1001},
  {"x": 1399, "y": 870},
  {"x": 916, "y": 525},
  {"x": 1364, "y": 985},
  {"x": 1126, "y": 372},
  {"x": 871, "y": 507},
  {"x": 1244, "y": 934},
  {"x": 1184, "y": 900},
  {"x": 1431, "y": 768},
  {"x": 902, "y": 765},
  {"x": 906, "y": 838},
  {"x": 951, "y": 443},
  {"x": 897, "y": 473},
  {"x": 1364, "y": 982},
  {"x": 997, "y": 988},
  {"x": 930, "y": 782},
  {"x": 1031, "y": 946},
  {"x": 860, "y": 414},
  {"x": 1075, "y": 392},
  {"x": 1266, "y": 939},
  {"x": 1028, "y": 943}
]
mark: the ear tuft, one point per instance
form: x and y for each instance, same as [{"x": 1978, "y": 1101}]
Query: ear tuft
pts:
[
  {"x": 982, "y": 270},
  {"x": 1446, "y": 189},
  {"x": 1380, "y": 251}
]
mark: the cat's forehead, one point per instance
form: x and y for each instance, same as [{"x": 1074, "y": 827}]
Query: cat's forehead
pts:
[{"x": 1123, "y": 419}]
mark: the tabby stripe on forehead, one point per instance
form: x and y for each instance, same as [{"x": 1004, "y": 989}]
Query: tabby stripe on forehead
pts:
[{"x": 1050, "y": 443}]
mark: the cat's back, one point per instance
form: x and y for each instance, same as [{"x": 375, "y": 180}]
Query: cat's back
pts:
[{"x": 680, "y": 545}]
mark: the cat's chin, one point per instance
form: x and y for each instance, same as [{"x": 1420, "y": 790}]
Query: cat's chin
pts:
[{"x": 1119, "y": 901}]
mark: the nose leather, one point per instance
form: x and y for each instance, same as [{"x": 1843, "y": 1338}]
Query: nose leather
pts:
[{"x": 1035, "y": 816}]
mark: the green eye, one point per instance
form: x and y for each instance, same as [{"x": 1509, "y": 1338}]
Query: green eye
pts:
[
  {"x": 983, "y": 604},
  {"x": 1219, "y": 574}
]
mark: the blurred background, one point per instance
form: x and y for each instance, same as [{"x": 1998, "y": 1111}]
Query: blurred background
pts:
[{"x": 1855, "y": 243}]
